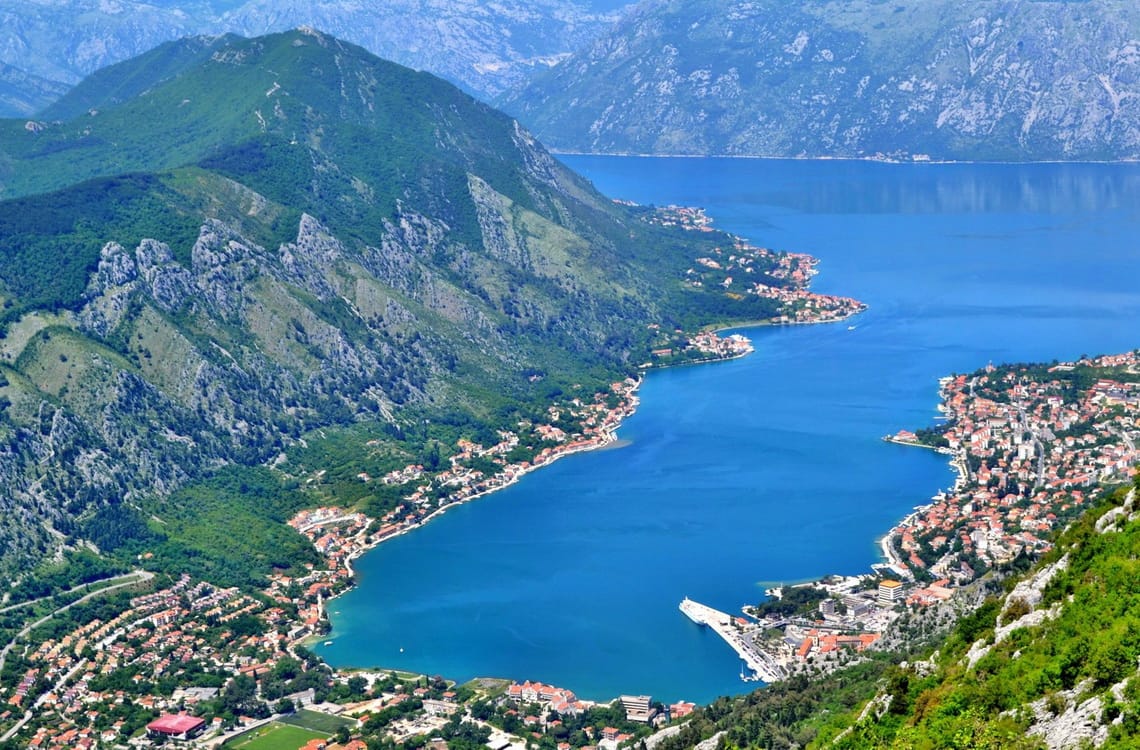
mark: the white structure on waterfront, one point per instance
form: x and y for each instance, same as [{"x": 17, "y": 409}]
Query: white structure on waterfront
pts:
[{"x": 764, "y": 666}]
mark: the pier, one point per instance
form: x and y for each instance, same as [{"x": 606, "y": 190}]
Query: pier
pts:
[{"x": 763, "y": 666}]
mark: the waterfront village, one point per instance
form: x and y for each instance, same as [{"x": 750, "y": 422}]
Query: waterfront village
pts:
[
  {"x": 199, "y": 663},
  {"x": 744, "y": 269},
  {"x": 191, "y": 662},
  {"x": 1029, "y": 443},
  {"x": 180, "y": 660}
]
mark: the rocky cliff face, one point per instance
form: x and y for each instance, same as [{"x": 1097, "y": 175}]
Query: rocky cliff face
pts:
[
  {"x": 485, "y": 47},
  {"x": 168, "y": 370},
  {"x": 997, "y": 79}
]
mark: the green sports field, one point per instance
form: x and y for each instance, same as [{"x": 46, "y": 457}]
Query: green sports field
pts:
[
  {"x": 317, "y": 721},
  {"x": 274, "y": 736}
]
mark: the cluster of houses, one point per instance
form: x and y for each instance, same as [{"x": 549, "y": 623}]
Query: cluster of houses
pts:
[
  {"x": 341, "y": 535},
  {"x": 705, "y": 346},
  {"x": 803, "y": 306},
  {"x": 1029, "y": 448},
  {"x": 553, "y": 698},
  {"x": 823, "y": 642},
  {"x": 639, "y": 709},
  {"x": 686, "y": 217},
  {"x": 158, "y": 636},
  {"x": 747, "y": 269},
  {"x": 725, "y": 347}
]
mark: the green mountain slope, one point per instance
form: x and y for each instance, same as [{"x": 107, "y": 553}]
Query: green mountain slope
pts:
[
  {"x": 996, "y": 79},
  {"x": 248, "y": 241}
]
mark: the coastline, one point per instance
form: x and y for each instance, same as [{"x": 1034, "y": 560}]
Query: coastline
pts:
[
  {"x": 797, "y": 306},
  {"x": 691, "y": 362},
  {"x": 858, "y": 159},
  {"x": 891, "y": 559},
  {"x": 359, "y": 541},
  {"x": 916, "y": 444},
  {"x": 769, "y": 323},
  {"x": 605, "y": 440}
]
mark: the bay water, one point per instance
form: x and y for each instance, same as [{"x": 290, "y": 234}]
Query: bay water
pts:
[{"x": 734, "y": 476}]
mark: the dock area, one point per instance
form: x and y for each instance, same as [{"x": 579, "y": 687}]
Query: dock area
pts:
[{"x": 741, "y": 639}]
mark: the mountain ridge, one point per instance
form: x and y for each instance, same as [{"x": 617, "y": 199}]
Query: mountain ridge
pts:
[{"x": 283, "y": 236}]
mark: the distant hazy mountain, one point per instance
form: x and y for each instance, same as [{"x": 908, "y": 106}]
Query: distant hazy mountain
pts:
[
  {"x": 990, "y": 79},
  {"x": 485, "y": 47},
  {"x": 22, "y": 93}
]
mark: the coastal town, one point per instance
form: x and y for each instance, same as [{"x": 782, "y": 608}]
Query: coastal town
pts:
[
  {"x": 1031, "y": 445},
  {"x": 192, "y": 662}
]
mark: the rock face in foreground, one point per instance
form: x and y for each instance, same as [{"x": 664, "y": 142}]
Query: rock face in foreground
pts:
[{"x": 988, "y": 80}]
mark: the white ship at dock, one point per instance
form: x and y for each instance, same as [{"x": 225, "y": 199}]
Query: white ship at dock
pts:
[{"x": 764, "y": 666}]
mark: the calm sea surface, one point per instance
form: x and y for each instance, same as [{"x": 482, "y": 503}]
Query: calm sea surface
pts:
[{"x": 769, "y": 468}]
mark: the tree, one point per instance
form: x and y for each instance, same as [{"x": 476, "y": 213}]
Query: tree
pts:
[
  {"x": 240, "y": 698},
  {"x": 357, "y": 686}
]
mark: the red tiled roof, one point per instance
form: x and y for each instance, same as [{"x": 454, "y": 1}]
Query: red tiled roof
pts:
[{"x": 179, "y": 724}]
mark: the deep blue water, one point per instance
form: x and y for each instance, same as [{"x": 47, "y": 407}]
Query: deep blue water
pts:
[{"x": 768, "y": 468}]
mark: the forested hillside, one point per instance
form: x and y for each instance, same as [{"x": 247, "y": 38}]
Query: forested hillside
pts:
[{"x": 217, "y": 251}]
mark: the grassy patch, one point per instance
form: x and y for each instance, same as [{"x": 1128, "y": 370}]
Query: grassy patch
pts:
[
  {"x": 274, "y": 736},
  {"x": 315, "y": 721},
  {"x": 492, "y": 687}
]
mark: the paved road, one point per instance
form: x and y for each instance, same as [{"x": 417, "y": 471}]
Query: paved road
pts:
[{"x": 75, "y": 589}]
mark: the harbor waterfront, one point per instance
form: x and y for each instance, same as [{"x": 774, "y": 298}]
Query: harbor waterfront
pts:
[
  {"x": 762, "y": 666},
  {"x": 768, "y": 468}
]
